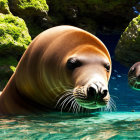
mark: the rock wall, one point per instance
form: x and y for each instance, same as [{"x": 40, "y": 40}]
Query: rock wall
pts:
[
  {"x": 127, "y": 51},
  {"x": 14, "y": 39},
  {"x": 14, "y": 34},
  {"x": 105, "y": 16}
]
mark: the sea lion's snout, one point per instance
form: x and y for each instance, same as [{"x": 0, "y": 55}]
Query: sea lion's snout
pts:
[
  {"x": 92, "y": 92},
  {"x": 93, "y": 96}
]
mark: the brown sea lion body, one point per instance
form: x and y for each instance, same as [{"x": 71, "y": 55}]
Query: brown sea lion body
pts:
[
  {"x": 134, "y": 76},
  {"x": 63, "y": 66}
]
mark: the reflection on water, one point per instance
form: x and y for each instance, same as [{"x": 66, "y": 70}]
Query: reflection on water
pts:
[{"x": 55, "y": 126}]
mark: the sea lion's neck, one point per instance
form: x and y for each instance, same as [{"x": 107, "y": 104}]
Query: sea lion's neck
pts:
[{"x": 11, "y": 102}]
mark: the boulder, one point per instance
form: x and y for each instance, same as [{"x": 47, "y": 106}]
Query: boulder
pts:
[
  {"x": 34, "y": 12},
  {"x": 28, "y": 8},
  {"x": 127, "y": 50},
  {"x": 14, "y": 39},
  {"x": 107, "y": 15},
  {"x": 4, "y": 8},
  {"x": 14, "y": 36}
]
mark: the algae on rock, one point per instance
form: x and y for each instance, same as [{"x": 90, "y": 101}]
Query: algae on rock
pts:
[
  {"x": 14, "y": 36},
  {"x": 107, "y": 15},
  {"x": 28, "y": 7},
  {"x": 4, "y": 8},
  {"x": 127, "y": 50},
  {"x": 14, "y": 39},
  {"x": 34, "y": 12}
]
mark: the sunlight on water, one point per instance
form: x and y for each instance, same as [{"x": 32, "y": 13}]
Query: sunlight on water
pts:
[{"x": 54, "y": 126}]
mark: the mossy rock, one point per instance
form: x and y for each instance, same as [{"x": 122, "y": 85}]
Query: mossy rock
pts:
[
  {"x": 28, "y": 7},
  {"x": 34, "y": 13},
  {"x": 14, "y": 36},
  {"x": 108, "y": 16},
  {"x": 4, "y": 8},
  {"x": 7, "y": 67},
  {"x": 127, "y": 50},
  {"x": 14, "y": 39}
]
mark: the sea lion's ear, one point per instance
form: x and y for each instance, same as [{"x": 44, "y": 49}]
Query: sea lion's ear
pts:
[{"x": 73, "y": 63}]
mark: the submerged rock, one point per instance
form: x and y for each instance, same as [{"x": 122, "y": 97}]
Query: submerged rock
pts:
[
  {"x": 14, "y": 39},
  {"x": 127, "y": 50}
]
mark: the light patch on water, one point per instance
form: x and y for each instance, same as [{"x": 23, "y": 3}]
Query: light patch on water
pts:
[{"x": 52, "y": 126}]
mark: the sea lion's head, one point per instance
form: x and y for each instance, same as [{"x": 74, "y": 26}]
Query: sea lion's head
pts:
[
  {"x": 90, "y": 70},
  {"x": 134, "y": 76}
]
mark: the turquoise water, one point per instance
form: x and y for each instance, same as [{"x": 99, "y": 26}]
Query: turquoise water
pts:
[
  {"x": 121, "y": 124},
  {"x": 55, "y": 126}
]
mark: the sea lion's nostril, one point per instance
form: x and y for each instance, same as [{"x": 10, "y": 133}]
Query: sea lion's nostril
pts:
[
  {"x": 104, "y": 93},
  {"x": 91, "y": 92}
]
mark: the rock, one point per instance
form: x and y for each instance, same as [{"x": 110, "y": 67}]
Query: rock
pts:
[
  {"x": 34, "y": 12},
  {"x": 14, "y": 36},
  {"x": 14, "y": 39},
  {"x": 28, "y": 8},
  {"x": 127, "y": 50},
  {"x": 4, "y": 8},
  {"x": 108, "y": 16},
  {"x": 7, "y": 67}
]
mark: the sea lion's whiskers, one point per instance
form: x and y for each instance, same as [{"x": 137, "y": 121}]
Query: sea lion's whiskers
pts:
[
  {"x": 113, "y": 104},
  {"x": 74, "y": 107},
  {"x": 63, "y": 96},
  {"x": 63, "y": 103},
  {"x": 72, "y": 104},
  {"x": 72, "y": 98},
  {"x": 132, "y": 77},
  {"x": 114, "y": 96},
  {"x": 77, "y": 107},
  {"x": 107, "y": 107}
]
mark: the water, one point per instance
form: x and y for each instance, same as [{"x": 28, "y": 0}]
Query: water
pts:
[
  {"x": 122, "y": 124},
  {"x": 55, "y": 126}
]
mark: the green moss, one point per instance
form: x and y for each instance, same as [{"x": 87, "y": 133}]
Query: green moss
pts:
[
  {"x": 4, "y": 8},
  {"x": 8, "y": 61},
  {"x": 38, "y": 4},
  {"x": 14, "y": 37},
  {"x": 136, "y": 20},
  {"x": 127, "y": 49},
  {"x": 13, "y": 68},
  {"x": 7, "y": 68}
]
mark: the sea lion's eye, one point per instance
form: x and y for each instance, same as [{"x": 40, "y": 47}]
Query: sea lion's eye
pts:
[
  {"x": 107, "y": 66},
  {"x": 73, "y": 63}
]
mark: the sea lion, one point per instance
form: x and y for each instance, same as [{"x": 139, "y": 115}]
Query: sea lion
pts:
[
  {"x": 64, "y": 68},
  {"x": 134, "y": 76}
]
